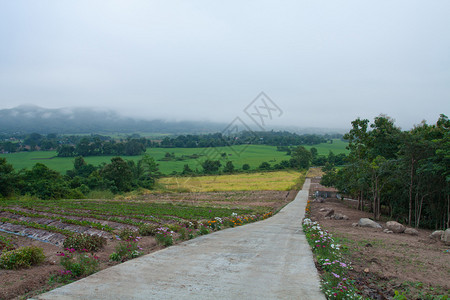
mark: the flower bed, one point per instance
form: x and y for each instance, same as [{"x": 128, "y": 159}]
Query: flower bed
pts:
[{"x": 333, "y": 269}]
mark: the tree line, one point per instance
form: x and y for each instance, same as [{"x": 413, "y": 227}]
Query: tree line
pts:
[
  {"x": 405, "y": 174},
  {"x": 118, "y": 176},
  {"x": 96, "y": 145}
]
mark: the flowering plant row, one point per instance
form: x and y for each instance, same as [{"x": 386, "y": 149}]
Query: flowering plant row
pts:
[{"x": 335, "y": 281}]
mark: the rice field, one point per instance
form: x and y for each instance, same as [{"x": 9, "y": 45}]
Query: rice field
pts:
[{"x": 267, "y": 181}]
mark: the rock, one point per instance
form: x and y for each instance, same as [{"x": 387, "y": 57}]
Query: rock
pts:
[
  {"x": 355, "y": 224},
  {"x": 366, "y": 222},
  {"x": 330, "y": 213},
  {"x": 340, "y": 217},
  {"x": 438, "y": 234},
  {"x": 411, "y": 231},
  {"x": 387, "y": 231},
  {"x": 366, "y": 270},
  {"x": 395, "y": 227},
  {"x": 446, "y": 237}
]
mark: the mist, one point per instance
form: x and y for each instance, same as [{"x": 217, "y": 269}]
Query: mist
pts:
[{"x": 321, "y": 63}]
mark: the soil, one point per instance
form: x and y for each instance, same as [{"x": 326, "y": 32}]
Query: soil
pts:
[
  {"x": 25, "y": 283},
  {"x": 386, "y": 262},
  {"x": 232, "y": 199}
]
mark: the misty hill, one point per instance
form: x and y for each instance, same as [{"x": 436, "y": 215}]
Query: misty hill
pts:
[
  {"x": 30, "y": 118},
  {"x": 25, "y": 119}
]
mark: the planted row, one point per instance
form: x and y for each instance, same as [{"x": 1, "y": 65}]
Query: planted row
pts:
[{"x": 62, "y": 219}]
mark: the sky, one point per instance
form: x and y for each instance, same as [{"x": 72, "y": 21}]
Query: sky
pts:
[{"x": 320, "y": 63}]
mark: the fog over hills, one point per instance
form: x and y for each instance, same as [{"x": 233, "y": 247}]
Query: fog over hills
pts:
[{"x": 78, "y": 120}]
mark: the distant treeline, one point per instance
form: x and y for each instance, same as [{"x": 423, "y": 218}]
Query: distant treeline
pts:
[
  {"x": 97, "y": 145},
  {"x": 126, "y": 175},
  {"x": 405, "y": 174}
]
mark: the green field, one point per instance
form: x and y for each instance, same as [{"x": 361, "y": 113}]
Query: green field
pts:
[{"x": 253, "y": 155}]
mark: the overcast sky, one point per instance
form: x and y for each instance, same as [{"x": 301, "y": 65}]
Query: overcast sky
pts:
[{"x": 323, "y": 63}]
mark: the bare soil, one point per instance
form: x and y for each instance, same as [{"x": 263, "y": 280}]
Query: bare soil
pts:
[
  {"x": 385, "y": 262},
  {"x": 25, "y": 283}
]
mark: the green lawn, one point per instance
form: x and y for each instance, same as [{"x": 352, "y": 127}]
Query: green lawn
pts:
[{"x": 253, "y": 155}]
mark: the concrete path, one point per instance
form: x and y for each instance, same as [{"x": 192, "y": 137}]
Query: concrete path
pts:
[{"x": 269, "y": 259}]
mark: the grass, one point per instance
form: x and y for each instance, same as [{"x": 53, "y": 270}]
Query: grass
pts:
[
  {"x": 253, "y": 155},
  {"x": 279, "y": 181}
]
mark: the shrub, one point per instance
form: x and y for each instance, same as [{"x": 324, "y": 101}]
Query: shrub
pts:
[
  {"x": 128, "y": 234},
  {"x": 6, "y": 244},
  {"x": 21, "y": 257},
  {"x": 164, "y": 236},
  {"x": 147, "y": 229},
  {"x": 126, "y": 250},
  {"x": 78, "y": 263},
  {"x": 80, "y": 241}
]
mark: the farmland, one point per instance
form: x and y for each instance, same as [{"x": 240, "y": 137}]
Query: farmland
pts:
[
  {"x": 160, "y": 219},
  {"x": 281, "y": 181},
  {"x": 253, "y": 155}
]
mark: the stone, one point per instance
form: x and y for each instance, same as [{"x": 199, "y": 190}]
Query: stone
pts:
[
  {"x": 329, "y": 213},
  {"x": 411, "y": 231},
  {"x": 366, "y": 222},
  {"x": 355, "y": 224},
  {"x": 340, "y": 217},
  {"x": 395, "y": 227},
  {"x": 387, "y": 231},
  {"x": 438, "y": 234},
  {"x": 446, "y": 237}
]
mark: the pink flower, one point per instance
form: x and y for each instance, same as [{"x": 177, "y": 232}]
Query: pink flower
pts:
[{"x": 60, "y": 254}]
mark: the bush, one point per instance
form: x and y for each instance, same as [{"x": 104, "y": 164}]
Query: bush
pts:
[
  {"x": 78, "y": 263},
  {"x": 82, "y": 241},
  {"x": 6, "y": 244},
  {"x": 21, "y": 257},
  {"x": 127, "y": 249},
  {"x": 164, "y": 236},
  {"x": 147, "y": 229},
  {"x": 128, "y": 234}
]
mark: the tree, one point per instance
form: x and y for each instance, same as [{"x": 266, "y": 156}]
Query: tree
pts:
[
  {"x": 148, "y": 171},
  {"x": 119, "y": 173},
  {"x": 44, "y": 183},
  {"x": 229, "y": 167},
  {"x": 187, "y": 170},
  {"x": 264, "y": 166},
  {"x": 301, "y": 158},
  {"x": 245, "y": 167},
  {"x": 7, "y": 178},
  {"x": 211, "y": 166}
]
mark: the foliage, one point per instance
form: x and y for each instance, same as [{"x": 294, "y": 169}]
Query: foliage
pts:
[
  {"x": 301, "y": 158},
  {"x": 127, "y": 234},
  {"x": 81, "y": 241},
  {"x": 335, "y": 281},
  {"x": 78, "y": 263},
  {"x": 146, "y": 229},
  {"x": 6, "y": 244},
  {"x": 405, "y": 173},
  {"x": 127, "y": 249},
  {"x": 7, "y": 178},
  {"x": 211, "y": 166},
  {"x": 23, "y": 257},
  {"x": 164, "y": 236}
]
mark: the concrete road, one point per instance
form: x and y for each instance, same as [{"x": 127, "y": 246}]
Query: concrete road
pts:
[{"x": 269, "y": 259}]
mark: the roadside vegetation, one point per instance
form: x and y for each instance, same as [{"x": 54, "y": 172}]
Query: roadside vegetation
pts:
[{"x": 403, "y": 174}]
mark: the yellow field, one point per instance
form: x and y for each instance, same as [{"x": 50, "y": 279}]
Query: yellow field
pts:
[
  {"x": 315, "y": 172},
  {"x": 268, "y": 181}
]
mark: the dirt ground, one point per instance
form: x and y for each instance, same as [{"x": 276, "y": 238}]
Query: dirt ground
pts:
[
  {"x": 25, "y": 283},
  {"x": 385, "y": 262}
]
